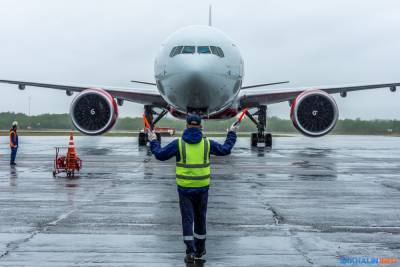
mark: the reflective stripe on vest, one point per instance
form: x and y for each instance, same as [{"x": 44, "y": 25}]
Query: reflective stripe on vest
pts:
[
  {"x": 193, "y": 170},
  {"x": 192, "y": 165}
]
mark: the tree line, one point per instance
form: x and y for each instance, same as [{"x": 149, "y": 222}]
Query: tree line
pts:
[{"x": 275, "y": 124}]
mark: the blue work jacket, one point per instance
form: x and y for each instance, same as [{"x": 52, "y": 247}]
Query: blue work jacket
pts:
[{"x": 192, "y": 136}]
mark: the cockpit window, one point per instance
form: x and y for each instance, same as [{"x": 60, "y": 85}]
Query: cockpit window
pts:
[
  {"x": 220, "y": 52},
  {"x": 203, "y": 50},
  {"x": 214, "y": 50},
  {"x": 175, "y": 51},
  {"x": 172, "y": 52},
  {"x": 217, "y": 51},
  {"x": 188, "y": 50},
  {"x": 178, "y": 50}
]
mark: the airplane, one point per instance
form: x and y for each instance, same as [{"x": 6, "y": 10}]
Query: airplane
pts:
[{"x": 200, "y": 70}]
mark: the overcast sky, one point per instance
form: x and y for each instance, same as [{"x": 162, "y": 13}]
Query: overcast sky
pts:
[{"x": 94, "y": 42}]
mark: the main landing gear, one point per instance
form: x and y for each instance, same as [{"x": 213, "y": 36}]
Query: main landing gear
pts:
[
  {"x": 149, "y": 112},
  {"x": 261, "y": 123}
]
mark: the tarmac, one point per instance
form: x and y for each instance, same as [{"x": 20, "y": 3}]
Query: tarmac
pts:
[{"x": 306, "y": 202}]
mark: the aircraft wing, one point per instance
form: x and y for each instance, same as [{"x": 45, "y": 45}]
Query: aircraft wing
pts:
[
  {"x": 253, "y": 98},
  {"x": 149, "y": 96}
]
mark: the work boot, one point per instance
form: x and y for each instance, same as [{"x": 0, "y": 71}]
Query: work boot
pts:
[
  {"x": 13, "y": 163},
  {"x": 189, "y": 258},
  {"x": 199, "y": 254}
]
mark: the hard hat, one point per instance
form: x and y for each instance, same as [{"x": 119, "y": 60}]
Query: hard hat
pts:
[
  {"x": 193, "y": 119},
  {"x": 15, "y": 123}
]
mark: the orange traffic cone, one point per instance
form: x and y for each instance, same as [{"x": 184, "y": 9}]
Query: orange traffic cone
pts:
[{"x": 71, "y": 154}]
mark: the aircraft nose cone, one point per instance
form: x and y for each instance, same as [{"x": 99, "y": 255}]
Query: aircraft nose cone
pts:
[
  {"x": 197, "y": 83},
  {"x": 198, "y": 91}
]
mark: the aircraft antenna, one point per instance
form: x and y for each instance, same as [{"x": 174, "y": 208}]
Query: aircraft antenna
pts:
[{"x": 210, "y": 16}]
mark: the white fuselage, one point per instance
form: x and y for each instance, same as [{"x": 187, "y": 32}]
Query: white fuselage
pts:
[{"x": 199, "y": 77}]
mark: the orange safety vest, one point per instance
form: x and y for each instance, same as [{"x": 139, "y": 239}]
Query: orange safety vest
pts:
[{"x": 13, "y": 138}]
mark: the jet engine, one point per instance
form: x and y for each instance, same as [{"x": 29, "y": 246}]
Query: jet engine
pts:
[
  {"x": 314, "y": 113},
  {"x": 94, "y": 111}
]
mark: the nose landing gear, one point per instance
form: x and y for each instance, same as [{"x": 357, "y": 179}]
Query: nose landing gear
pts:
[
  {"x": 149, "y": 112},
  {"x": 261, "y": 123},
  {"x": 257, "y": 138}
]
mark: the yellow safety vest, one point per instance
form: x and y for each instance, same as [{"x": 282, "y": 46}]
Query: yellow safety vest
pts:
[{"x": 193, "y": 169}]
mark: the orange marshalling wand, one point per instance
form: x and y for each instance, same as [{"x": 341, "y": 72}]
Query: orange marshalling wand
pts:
[
  {"x": 241, "y": 117},
  {"x": 146, "y": 122}
]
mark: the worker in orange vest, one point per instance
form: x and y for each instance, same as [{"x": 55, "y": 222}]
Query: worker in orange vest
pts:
[{"x": 13, "y": 142}]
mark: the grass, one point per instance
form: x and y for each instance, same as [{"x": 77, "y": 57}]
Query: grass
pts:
[
  {"x": 115, "y": 133},
  {"x": 178, "y": 133}
]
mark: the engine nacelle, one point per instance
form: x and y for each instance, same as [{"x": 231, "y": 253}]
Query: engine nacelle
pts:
[
  {"x": 94, "y": 111},
  {"x": 314, "y": 113}
]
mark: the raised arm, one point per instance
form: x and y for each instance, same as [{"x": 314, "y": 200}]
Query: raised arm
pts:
[
  {"x": 224, "y": 149},
  {"x": 164, "y": 153}
]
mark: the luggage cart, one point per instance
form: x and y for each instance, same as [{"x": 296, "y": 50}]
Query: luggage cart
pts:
[{"x": 65, "y": 164}]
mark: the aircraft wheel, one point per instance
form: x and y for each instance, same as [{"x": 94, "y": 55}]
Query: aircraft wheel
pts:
[
  {"x": 268, "y": 140},
  {"x": 254, "y": 139},
  {"x": 142, "y": 139}
]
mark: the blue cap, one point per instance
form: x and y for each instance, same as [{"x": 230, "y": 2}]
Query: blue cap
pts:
[{"x": 193, "y": 119}]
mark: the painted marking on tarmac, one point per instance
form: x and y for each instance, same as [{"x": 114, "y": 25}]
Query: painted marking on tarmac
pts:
[
  {"x": 61, "y": 217},
  {"x": 13, "y": 245}
]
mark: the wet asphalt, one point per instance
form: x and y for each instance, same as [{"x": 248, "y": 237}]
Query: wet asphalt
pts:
[{"x": 306, "y": 202}]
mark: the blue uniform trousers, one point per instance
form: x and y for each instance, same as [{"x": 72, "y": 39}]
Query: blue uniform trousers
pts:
[
  {"x": 193, "y": 206},
  {"x": 13, "y": 154}
]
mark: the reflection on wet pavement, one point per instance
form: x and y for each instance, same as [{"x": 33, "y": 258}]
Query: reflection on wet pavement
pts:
[
  {"x": 305, "y": 202},
  {"x": 13, "y": 176}
]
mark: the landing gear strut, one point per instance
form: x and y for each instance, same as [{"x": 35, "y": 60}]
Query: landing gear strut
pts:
[
  {"x": 149, "y": 112},
  {"x": 261, "y": 123}
]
